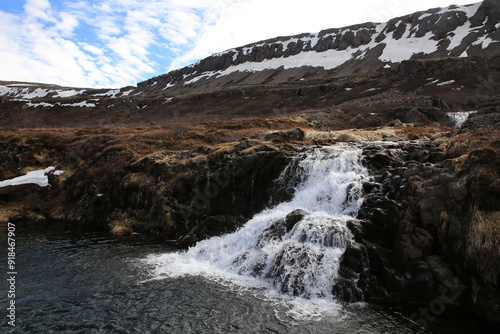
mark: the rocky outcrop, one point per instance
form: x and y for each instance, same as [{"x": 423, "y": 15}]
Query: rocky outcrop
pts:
[
  {"x": 182, "y": 196},
  {"x": 447, "y": 66},
  {"x": 486, "y": 117},
  {"x": 429, "y": 230}
]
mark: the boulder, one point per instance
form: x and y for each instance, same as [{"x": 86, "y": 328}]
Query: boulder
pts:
[
  {"x": 297, "y": 134},
  {"x": 280, "y": 227}
]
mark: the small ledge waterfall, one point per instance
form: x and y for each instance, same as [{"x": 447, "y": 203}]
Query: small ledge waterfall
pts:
[{"x": 295, "y": 247}]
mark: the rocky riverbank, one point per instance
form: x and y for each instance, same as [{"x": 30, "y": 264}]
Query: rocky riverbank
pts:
[{"x": 429, "y": 228}]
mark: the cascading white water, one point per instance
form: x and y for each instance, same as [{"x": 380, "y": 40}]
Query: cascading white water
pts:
[
  {"x": 296, "y": 255},
  {"x": 459, "y": 117}
]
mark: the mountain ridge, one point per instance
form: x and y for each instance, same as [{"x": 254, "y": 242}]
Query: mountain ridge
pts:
[{"x": 456, "y": 31}]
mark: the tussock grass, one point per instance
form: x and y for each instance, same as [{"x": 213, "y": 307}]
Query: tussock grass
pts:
[{"x": 483, "y": 247}]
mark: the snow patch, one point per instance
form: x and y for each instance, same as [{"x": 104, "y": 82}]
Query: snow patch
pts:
[
  {"x": 328, "y": 60},
  {"x": 41, "y": 104},
  {"x": 127, "y": 93},
  {"x": 484, "y": 41},
  {"x": 433, "y": 82},
  {"x": 459, "y": 34},
  {"x": 23, "y": 92},
  {"x": 446, "y": 83},
  {"x": 37, "y": 93},
  {"x": 68, "y": 93},
  {"x": 4, "y": 90},
  {"x": 425, "y": 15},
  {"x": 471, "y": 10},
  {"x": 398, "y": 50},
  {"x": 201, "y": 76},
  {"x": 168, "y": 86},
  {"x": 80, "y": 104},
  {"x": 19, "y": 85},
  {"x": 38, "y": 177},
  {"x": 111, "y": 93}
]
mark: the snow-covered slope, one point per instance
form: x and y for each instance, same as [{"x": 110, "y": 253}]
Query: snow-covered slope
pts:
[
  {"x": 456, "y": 31},
  {"x": 30, "y": 91}
]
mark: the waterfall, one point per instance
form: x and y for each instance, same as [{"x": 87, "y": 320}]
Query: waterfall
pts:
[
  {"x": 295, "y": 247},
  {"x": 460, "y": 117}
]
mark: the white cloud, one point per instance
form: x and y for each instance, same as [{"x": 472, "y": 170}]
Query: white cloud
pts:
[
  {"x": 110, "y": 43},
  {"x": 38, "y": 9},
  {"x": 92, "y": 49},
  {"x": 67, "y": 24}
]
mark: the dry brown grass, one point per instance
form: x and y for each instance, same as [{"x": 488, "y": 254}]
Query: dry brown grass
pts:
[
  {"x": 461, "y": 144},
  {"x": 483, "y": 247}
]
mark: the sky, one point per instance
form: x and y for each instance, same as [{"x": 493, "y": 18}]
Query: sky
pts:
[{"x": 118, "y": 43}]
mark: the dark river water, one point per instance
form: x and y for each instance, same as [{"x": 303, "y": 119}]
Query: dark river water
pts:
[{"x": 75, "y": 281}]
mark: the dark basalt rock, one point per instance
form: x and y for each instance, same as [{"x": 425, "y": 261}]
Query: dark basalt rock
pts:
[
  {"x": 297, "y": 134},
  {"x": 447, "y": 66},
  {"x": 367, "y": 122},
  {"x": 487, "y": 116},
  {"x": 441, "y": 24},
  {"x": 282, "y": 136},
  {"x": 489, "y": 9},
  {"x": 408, "y": 115},
  {"x": 345, "y": 289},
  {"x": 280, "y": 227},
  {"x": 426, "y": 229},
  {"x": 293, "y": 218}
]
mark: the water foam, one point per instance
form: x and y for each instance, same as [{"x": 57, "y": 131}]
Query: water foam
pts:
[{"x": 300, "y": 260}]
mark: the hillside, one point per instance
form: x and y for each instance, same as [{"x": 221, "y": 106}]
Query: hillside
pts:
[
  {"x": 450, "y": 53},
  {"x": 465, "y": 31}
]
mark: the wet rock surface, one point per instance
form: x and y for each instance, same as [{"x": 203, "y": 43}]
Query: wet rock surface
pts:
[{"x": 428, "y": 229}]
